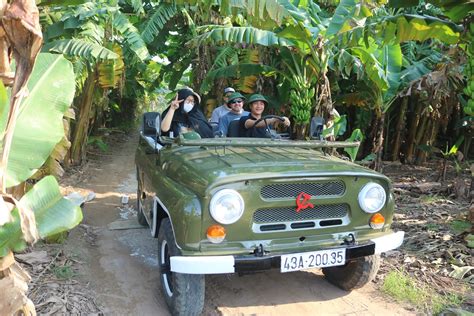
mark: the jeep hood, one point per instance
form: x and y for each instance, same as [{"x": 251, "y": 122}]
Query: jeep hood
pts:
[{"x": 200, "y": 168}]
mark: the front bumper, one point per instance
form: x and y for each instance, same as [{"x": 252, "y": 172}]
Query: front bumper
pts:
[{"x": 242, "y": 264}]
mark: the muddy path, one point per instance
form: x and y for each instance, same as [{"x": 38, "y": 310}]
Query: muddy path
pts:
[{"x": 119, "y": 266}]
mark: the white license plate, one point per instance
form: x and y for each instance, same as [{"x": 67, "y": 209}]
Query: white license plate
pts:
[{"x": 314, "y": 259}]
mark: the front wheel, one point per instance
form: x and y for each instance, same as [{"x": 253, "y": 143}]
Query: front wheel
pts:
[
  {"x": 140, "y": 216},
  {"x": 355, "y": 274},
  {"x": 184, "y": 293}
]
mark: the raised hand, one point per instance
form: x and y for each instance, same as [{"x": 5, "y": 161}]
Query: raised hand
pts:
[{"x": 175, "y": 103}]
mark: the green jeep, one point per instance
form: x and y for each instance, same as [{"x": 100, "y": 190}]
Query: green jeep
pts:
[{"x": 239, "y": 205}]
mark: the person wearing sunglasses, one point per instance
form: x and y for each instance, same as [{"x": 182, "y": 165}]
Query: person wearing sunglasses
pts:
[
  {"x": 236, "y": 104},
  {"x": 222, "y": 110}
]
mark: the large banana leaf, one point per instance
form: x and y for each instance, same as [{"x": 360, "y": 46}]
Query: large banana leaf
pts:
[
  {"x": 246, "y": 35},
  {"x": 267, "y": 13},
  {"x": 235, "y": 71},
  {"x": 407, "y": 27},
  {"x": 53, "y": 214},
  {"x": 344, "y": 11},
  {"x": 131, "y": 35},
  {"x": 155, "y": 23},
  {"x": 456, "y": 10},
  {"x": 39, "y": 125},
  {"x": 79, "y": 48}
]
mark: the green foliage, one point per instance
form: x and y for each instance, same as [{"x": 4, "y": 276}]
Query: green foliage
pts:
[
  {"x": 157, "y": 21},
  {"x": 79, "y": 48},
  {"x": 460, "y": 226},
  {"x": 53, "y": 214},
  {"x": 247, "y": 35},
  {"x": 338, "y": 127},
  {"x": 409, "y": 27},
  {"x": 131, "y": 35},
  {"x": 403, "y": 288},
  {"x": 99, "y": 142},
  {"x": 39, "y": 125},
  {"x": 11, "y": 237},
  {"x": 64, "y": 272},
  {"x": 356, "y": 136},
  {"x": 233, "y": 71}
]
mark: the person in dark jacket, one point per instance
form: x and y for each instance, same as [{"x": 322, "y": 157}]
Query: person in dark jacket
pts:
[
  {"x": 183, "y": 115},
  {"x": 257, "y": 103}
]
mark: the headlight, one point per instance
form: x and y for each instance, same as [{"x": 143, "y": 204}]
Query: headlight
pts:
[
  {"x": 372, "y": 197},
  {"x": 227, "y": 206}
]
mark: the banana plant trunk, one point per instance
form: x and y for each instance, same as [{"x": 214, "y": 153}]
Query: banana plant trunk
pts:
[
  {"x": 378, "y": 139},
  {"x": 400, "y": 128},
  {"x": 14, "y": 282},
  {"x": 81, "y": 128},
  {"x": 300, "y": 131}
]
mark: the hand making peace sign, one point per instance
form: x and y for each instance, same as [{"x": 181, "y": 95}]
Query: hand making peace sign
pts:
[{"x": 175, "y": 103}]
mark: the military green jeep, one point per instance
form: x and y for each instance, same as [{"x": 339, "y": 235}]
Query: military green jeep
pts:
[{"x": 239, "y": 205}]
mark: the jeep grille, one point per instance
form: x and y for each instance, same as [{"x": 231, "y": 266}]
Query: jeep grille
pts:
[
  {"x": 287, "y": 219},
  {"x": 291, "y": 190},
  {"x": 289, "y": 214}
]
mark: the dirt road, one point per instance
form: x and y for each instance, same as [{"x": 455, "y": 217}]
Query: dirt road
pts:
[{"x": 120, "y": 266}]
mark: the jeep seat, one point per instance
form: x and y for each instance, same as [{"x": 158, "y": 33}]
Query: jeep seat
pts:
[{"x": 234, "y": 129}]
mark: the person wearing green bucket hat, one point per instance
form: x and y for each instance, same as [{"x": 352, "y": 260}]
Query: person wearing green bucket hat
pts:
[
  {"x": 257, "y": 103},
  {"x": 235, "y": 103}
]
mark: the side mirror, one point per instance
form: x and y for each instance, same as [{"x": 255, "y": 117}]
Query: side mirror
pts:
[
  {"x": 157, "y": 131},
  {"x": 316, "y": 128}
]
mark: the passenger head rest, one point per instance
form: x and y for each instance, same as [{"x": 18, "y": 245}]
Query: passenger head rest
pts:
[{"x": 149, "y": 123}]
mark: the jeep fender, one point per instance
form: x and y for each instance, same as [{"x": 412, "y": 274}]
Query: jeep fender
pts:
[{"x": 184, "y": 213}]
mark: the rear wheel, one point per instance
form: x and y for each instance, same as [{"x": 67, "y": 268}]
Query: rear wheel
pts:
[
  {"x": 355, "y": 274},
  {"x": 184, "y": 293}
]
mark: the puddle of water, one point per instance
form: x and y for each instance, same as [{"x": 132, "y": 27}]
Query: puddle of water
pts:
[
  {"x": 128, "y": 185},
  {"x": 127, "y": 211},
  {"x": 141, "y": 245}
]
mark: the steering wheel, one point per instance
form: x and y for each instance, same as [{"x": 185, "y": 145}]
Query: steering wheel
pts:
[{"x": 265, "y": 118}]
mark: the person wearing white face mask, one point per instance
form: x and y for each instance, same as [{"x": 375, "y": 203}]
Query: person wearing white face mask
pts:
[{"x": 183, "y": 115}]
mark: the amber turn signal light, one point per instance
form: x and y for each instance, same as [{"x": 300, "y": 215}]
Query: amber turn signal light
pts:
[
  {"x": 377, "y": 221},
  {"x": 215, "y": 234}
]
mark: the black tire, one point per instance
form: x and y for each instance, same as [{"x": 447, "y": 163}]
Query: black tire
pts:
[
  {"x": 183, "y": 293},
  {"x": 140, "y": 216},
  {"x": 355, "y": 274}
]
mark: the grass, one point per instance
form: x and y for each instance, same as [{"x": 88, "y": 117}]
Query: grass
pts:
[
  {"x": 63, "y": 272},
  {"x": 431, "y": 199},
  {"x": 460, "y": 226},
  {"x": 432, "y": 227},
  {"x": 403, "y": 288}
]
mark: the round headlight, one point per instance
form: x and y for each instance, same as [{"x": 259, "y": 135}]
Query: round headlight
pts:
[
  {"x": 372, "y": 197},
  {"x": 227, "y": 206}
]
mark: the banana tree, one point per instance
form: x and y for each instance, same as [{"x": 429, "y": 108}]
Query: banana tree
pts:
[
  {"x": 42, "y": 211},
  {"x": 29, "y": 130},
  {"x": 101, "y": 39}
]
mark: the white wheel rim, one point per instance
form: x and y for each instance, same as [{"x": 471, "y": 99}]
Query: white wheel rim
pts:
[{"x": 164, "y": 276}]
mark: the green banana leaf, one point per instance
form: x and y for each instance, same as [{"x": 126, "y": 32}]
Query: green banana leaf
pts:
[
  {"x": 39, "y": 125},
  {"x": 79, "y": 48},
  {"x": 410, "y": 27},
  {"x": 157, "y": 21},
  {"x": 247, "y": 35},
  {"x": 53, "y": 214},
  {"x": 356, "y": 136}
]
